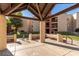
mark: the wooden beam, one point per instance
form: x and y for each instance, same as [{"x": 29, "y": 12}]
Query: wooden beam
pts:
[
  {"x": 7, "y": 9},
  {"x": 1, "y": 11},
  {"x": 39, "y": 12},
  {"x": 44, "y": 8},
  {"x": 50, "y": 9},
  {"x": 34, "y": 7},
  {"x": 33, "y": 11},
  {"x": 63, "y": 11},
  {"x": 24, "y": 7},
  {"x": 13, "y": 9},
  {"x": 22, "y": 17},
  {"x": 47, "y": 8}
]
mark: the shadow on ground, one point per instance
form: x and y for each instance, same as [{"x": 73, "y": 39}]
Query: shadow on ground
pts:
[
  {"x": 5, "y": 52},
  {"x": 69, "y": 47}
]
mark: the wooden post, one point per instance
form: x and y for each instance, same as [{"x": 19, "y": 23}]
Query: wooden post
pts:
[
  {"x": 30, "y": 30},
  {"x": 42, "y": 31},
  {"x": 59, "y": 38},
  {"x": 42, "y": 25},
  {"x": 15, "y": 34},
  {"x": 30, "y": 37},
  {"x": 15, "y": 37},
  {"x": 3, "y": 32}
]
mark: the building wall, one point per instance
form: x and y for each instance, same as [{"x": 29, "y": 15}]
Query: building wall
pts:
[
  {"x": 35, "y": 26},
  {"x": 30, "y": 25},
  {"x": 77, "y": 20},
  {"x": 65, "y": 22},
  {"x": 51, "y": 25},
  {"x": 26, "y": 24},
  {"x": 62, "y": 22},
  {"x": 71, "y": 23}
]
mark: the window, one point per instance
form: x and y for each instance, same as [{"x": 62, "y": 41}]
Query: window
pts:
[
  {"x": 54, "y": 25},
  {"x": 54, "y": 19},
  {"x": 47, "y": 24},
  {"x": 47, "y": 31},
  {"x": 54, "y": 30}
]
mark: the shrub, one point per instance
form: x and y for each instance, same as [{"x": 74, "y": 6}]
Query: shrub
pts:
[
  {"x": 22, "y": 34},
  {"x": 66, "y": 33},
  {"x": 35, "y": 32}
]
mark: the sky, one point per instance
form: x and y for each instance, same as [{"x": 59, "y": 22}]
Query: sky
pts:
[
  {"x": 56, "y": 9},
  {"x": 27, "y": 13}
]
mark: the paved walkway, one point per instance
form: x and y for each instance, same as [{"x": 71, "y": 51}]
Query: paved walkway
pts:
[{"x": 49, "y": 48}]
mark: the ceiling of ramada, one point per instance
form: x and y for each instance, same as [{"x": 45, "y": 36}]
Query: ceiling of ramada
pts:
[{"x": 41, "y": 11}]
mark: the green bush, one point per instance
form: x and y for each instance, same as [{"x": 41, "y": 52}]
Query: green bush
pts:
[
  {"x": 35, "y": 32},
  {"x": 22, "y": 34},
  {"x": 66, "y": 33}
]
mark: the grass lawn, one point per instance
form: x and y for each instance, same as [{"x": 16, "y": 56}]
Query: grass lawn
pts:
[
  {"x": 74, "y": 37},
  {"x": 71, "y": 35}
]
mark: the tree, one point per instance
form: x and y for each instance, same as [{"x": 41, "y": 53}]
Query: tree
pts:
[
  {"x": 14, "y": 22},
  {"x": 9, "y": 26}
]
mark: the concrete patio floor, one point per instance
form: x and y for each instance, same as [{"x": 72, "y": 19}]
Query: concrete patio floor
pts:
[{"x": 49, "y": 48}]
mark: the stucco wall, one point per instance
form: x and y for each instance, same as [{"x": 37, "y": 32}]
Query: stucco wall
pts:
[
  {"x": 26, "y": 24},
  {"x": 77, "y": 20},
  {"x": 65, "y": 22},
  {"x": 62, "y": 22},
  {"x": 71, "y": 23},
  {"x": 35, "y": 26}
]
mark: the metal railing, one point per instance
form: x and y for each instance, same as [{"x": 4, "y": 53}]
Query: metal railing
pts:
[{"x": 67, "y": 36}]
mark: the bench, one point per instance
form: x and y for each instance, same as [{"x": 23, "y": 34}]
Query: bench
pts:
[{"x": 11, "y": 38}]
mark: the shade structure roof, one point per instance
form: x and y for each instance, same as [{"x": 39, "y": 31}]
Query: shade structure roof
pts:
[{"x": 41, "y": 11}]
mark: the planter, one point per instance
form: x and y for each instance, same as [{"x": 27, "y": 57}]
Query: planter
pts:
[{"x": 35, "y": 36}]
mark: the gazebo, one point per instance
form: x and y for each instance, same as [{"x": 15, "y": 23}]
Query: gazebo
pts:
[{"x": 39, "y": 10}]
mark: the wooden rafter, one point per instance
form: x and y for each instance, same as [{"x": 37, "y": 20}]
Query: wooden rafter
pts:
[
  {"x": 21, "y": 8},
  {"x": 32, "y": 10},
  {"x": 50, "y": 9},
  {"x": 4, "y": 7},
  {"x": 34, "y": 7},
  {"x": 7, "y": 9},
  {"x": 30, "y": 7},
  {"x": 35, "y": 10},
  {"x": 63, "y": 11},
  {"x": 47, "y": 9},
  {"x": 13, "y": 9},
  {"x": 0, "y": 11},
  {"x": 39, "y": 11},
  {"x": 22, "y": 17},
  {"x": 44, "y": 8}
]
